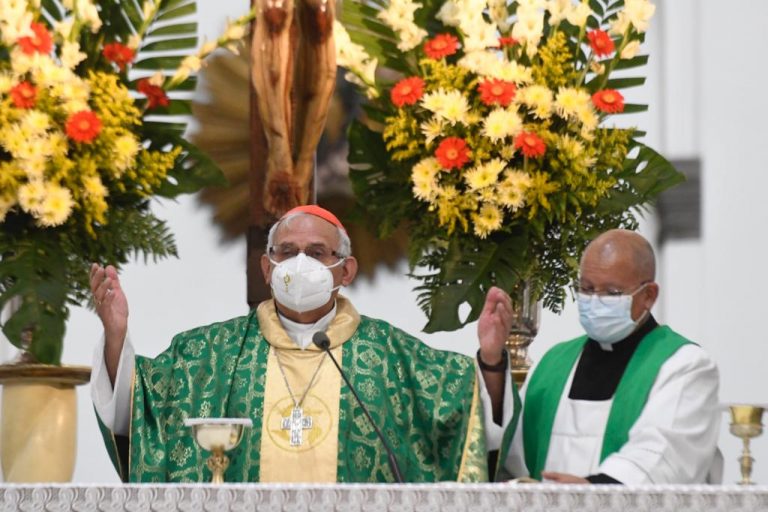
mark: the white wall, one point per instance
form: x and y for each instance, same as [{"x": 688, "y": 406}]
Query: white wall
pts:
[{"x": 706, "y": 94}]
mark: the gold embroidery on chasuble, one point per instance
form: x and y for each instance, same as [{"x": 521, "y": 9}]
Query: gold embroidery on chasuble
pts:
[{"x": 315, "y": 459}]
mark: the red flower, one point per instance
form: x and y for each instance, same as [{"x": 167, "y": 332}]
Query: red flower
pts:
[
  {"x": 83, "y": 126},
  {"x": 24, "y": 95},
  {"x": 496, "y": 92},
  {"x": 452, "y": 153},
  {"x": 609, "y": 101},
  {"x": 407, "y": 91},
  {"x": 530, "y": 144},
  {"x": 441, "y": 46},
  {"x": 507, "y": 41},
  {"x": 119, "y": 54},
  {"x": 40, "y": 42},
  {"x": 601, "y": 42},
  {"x": 156, "y": 96}
]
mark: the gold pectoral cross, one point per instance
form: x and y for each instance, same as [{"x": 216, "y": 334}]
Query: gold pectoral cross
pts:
[{"x": 297, "y": 423}]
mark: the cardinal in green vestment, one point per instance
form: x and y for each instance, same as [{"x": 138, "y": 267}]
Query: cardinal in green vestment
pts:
[{"x": 432, "y": 407}]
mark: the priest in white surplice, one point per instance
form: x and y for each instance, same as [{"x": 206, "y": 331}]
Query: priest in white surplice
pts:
[{"x": 631, "y": 402}]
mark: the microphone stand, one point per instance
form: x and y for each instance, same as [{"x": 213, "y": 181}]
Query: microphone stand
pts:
[{"x": 321, "y": 340}]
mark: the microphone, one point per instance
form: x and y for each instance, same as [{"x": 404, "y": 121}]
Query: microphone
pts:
[{"x": 320, "y": 339}]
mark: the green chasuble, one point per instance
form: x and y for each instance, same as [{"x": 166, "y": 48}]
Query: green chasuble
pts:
[
  {"x": 547, "y": 386},
  {"x": 425, "y": 401}
]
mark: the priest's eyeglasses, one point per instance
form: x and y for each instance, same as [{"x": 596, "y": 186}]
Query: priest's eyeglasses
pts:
[
  {"x": 320, "y": 252},
  {"x": 608, "y": 296}
]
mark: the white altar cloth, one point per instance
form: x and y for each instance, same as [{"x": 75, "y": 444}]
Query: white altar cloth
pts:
[{"x": 444, "y": 497}]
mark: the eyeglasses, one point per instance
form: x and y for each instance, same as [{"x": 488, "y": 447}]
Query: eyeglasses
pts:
[
  {"x": 608, "y": 296},
  {"x": 319, "y": 252}
]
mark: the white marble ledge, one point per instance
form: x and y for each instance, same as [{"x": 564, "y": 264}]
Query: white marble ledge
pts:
[{"x": 444, "y": 497}]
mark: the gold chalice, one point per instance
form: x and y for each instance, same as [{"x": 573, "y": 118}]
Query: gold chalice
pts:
[
  {"x": 746, "y": 423},
  {"x": 218, "y": 435}
]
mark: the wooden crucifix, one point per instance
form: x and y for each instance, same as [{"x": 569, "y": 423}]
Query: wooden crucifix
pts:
[{"x": 293, "y": 74}]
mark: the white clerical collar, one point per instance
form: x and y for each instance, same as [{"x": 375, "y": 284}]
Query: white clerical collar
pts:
[{"x": 301, "y": 334}]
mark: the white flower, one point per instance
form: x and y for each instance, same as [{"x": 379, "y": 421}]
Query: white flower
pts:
[
  {"x": 570, "y": 101},
  {"x": 639, "y": 13},
  {"x": 501, "y": 123},
  {"x": 630, "y": 50},
  {"x": 208, "y": 47},
  {"x": 64, "y": 28},
  {"x": 432, "y": 129},
  {"x": 71, "y": 55},
  {"x": 479, "y": 36},
  {"x": 450, "y": 106},
  {"x": 235, "y": 32},
  {"x": 579, "y": 14},
  {"x": 529, "y": 27},
  {"x": 450, "y": 14},
  {"x": 88, "y": 12},
  {"x": 134, "y": 41},
  {"x": 620, "y": 24},
  {"x": 558, "y": 10},
  {"x": 500, "y": 14}
]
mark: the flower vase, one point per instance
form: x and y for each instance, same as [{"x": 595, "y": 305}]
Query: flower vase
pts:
[
  {"x": 38, "y": 428},
  {"x": 526, "y": 314}
]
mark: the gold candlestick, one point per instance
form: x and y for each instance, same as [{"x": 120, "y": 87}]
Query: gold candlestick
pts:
[
  {"x": 218, "y": 435},
  {"x": 746, "y": 423}
]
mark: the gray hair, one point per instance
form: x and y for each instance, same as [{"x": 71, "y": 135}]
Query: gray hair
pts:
[{"x": 344, "y": 250}]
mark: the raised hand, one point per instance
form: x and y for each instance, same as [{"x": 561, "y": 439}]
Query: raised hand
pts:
[
  {"x": 494, "y": 324},
  {"x": 112, "y": 307}
]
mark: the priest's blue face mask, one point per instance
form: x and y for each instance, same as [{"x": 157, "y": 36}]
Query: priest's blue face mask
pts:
[
  {"x": 607, "y": 319},
  {"x": 302, "y": 283}
]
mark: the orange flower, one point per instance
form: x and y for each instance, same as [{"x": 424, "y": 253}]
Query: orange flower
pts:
[
  {"x": 119, "y": 54},
  {"x": 496, "y": 92},
  {"x": 507, "y": 41},
  {"x": 452, "y": 153},
  {"x": 601, "y": 42},
  {"x": 609, "y": 101},
  {"x": 83, "y": 126},
  {"x": 40, "y": 42},
  {"x": 407, "y": 91},
  {"x": 156, "y": 96},
  {"x": 530, "y": 144},
  {"x": 24, "y": 95},
  {"x": 440, "y": 46}
]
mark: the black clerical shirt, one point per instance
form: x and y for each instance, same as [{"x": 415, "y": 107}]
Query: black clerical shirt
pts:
[{"x": 599, "y": 371}]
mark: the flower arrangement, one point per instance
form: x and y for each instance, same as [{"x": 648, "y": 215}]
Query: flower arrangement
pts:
[
  {"x": 89, "y": 133},
  {"x": 487, "y": 131}
]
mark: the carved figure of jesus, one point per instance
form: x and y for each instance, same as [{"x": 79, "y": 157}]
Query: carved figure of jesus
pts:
[{"x": 293, "y": 70}]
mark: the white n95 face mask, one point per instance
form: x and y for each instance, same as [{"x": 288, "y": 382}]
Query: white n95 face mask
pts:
[
  {"x": 302, "y": 283},
  {"x": 606, "y": 320}
]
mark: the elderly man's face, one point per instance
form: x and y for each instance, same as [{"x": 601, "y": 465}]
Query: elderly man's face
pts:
[
  {"x": 615, "y": 272},
  {"x": 313, "y": 235}
]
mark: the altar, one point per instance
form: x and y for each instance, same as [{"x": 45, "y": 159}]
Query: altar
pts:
[{"x": 445, "y": 497}]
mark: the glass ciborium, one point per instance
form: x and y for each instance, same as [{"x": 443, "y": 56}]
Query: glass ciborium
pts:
[
  {"x": 526, "y": 314},
  {"x": 218, "y": 435},
  {"x": 746, "y": 423}
]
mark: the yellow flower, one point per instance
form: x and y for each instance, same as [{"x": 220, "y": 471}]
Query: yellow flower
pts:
[
  {"x": 31, "y": 196},
  {"x": 538, "y": 99},
  {"x": 570, "y": 102},
  {"x": 487, "y": 220},
  {"x": 508, "y": 152},
  {"x": 589, "y": 121},
  {"x": 485, "y": 174},
  {"x": 513, "y": 72},
  {"x": 451, "y": 106},
  {"x": 501, "y": 123},
  {"x": 56, "y": 206},
  {"x": 93, "y": 187},
  {"x": 35, "y": 122},
  {"x": 71, "y": 55},
  {"x": 125, "y": 149},
  {"x": 7, "y": 201},
  {"x": 511, "y": 191},
  {"x": 432, "y": 129}
]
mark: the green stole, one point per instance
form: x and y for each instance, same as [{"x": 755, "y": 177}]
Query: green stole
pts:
[
  {"x": 547, "y": 385},
  {"x": 424, "y": 400}
]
